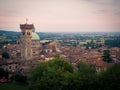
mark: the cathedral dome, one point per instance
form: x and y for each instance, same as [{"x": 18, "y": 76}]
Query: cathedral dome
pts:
[{"x": 35, "y": 36}]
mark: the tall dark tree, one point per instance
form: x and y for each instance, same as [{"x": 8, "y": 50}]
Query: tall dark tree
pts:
[
  {"x": 106, "y": 56},
  {"x": 5, "y": 55}
]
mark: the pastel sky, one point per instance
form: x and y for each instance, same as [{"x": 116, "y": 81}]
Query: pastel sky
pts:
[{"x": 61, "y": 15}]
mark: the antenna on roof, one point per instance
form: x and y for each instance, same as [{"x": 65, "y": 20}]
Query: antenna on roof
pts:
[{"x": 26, "y": 20}]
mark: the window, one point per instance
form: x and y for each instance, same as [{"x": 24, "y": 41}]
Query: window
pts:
[
  {"x": 23, "y": 33},
  {"x": 28, "y": 33}
]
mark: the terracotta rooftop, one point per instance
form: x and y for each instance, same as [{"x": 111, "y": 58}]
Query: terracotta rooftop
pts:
[{"x": 101, "y": 64}]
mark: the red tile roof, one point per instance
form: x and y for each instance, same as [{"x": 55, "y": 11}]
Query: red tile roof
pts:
[{"x": 101, "y": 64}]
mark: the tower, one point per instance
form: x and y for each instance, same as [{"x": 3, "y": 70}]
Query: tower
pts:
[{"x": 26, "y": 41}]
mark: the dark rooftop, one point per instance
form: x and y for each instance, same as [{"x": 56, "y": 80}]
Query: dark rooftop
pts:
[{"x": 26, "y": 26}]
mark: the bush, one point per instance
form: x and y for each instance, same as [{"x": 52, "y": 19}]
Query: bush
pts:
[{"x": 19, "y": 78}]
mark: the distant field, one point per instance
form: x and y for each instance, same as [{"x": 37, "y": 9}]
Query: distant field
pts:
[{"x": 11, "y": 86}]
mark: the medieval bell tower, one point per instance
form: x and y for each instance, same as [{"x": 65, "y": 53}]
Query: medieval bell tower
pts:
[{"x": 26, "y": 41}]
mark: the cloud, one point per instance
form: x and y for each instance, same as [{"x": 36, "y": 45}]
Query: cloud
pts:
[
  {"x": 116, "y": 2},
  {"x": 8, "y": 13},
  {"x": 117, "y": 13},
  {"x": 99, "y": 1},
  {"x": 105, "y": 2},
  {"x": 99, "y": 12}
]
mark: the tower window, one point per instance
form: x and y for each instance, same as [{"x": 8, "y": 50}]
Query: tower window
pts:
[
  {"x": 23, "y": 33},
  {"x": 28, "y": 33}
]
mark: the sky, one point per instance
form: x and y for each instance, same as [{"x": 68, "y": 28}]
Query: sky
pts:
[{"x": 61, "y": 15}]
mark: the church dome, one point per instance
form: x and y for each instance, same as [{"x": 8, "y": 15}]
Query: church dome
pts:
[{"x": 35, "y": 36}]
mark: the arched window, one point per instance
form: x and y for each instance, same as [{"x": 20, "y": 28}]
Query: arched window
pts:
[
  {"x": 28, "y": 33},
  {"x": 23, "y": 33}
]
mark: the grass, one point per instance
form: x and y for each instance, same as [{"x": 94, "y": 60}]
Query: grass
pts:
[{"x": 12, "y": 86}]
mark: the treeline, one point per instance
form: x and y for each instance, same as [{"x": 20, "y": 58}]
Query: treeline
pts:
[
  {"x": 114, "y": 42},
  {"x": 60, "y": 75},
  {"x": 8, "y": 37}
]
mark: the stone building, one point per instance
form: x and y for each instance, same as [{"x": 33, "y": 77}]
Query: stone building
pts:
[{"x": 30, "y": 42}]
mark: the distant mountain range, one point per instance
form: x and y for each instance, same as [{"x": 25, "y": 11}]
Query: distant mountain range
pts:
[
  {"x": 4, "y": 32},
  {"x": 60, "y": 35}
]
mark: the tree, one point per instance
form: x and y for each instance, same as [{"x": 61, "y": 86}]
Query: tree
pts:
[
  {"x": 86, "y": 77},
  {"x": 19, "y": 78},
  {"x": 3, "y": 73},
  {"x": 59, "y": 75},
  {"x": 115, "y": 42},
  {"x": 51, "y": 75},
  {"x": 110, "y": 79},
  {"x": 5, "y": 55},
  {"x": 106, "y": 56}
]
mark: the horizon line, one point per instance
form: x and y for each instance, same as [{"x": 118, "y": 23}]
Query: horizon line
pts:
[{"x": 68, "y": 31}]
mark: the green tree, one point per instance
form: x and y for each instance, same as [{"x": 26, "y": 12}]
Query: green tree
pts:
[
  {"x": 86, "y": 77},
  {"x": 3, "y": 73},
  {"x": 19, "y": 78},
  {"x": 110, "y": 79},
  {"x": 106, "y": 56},
  {"x": 51, "y": 75}
]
